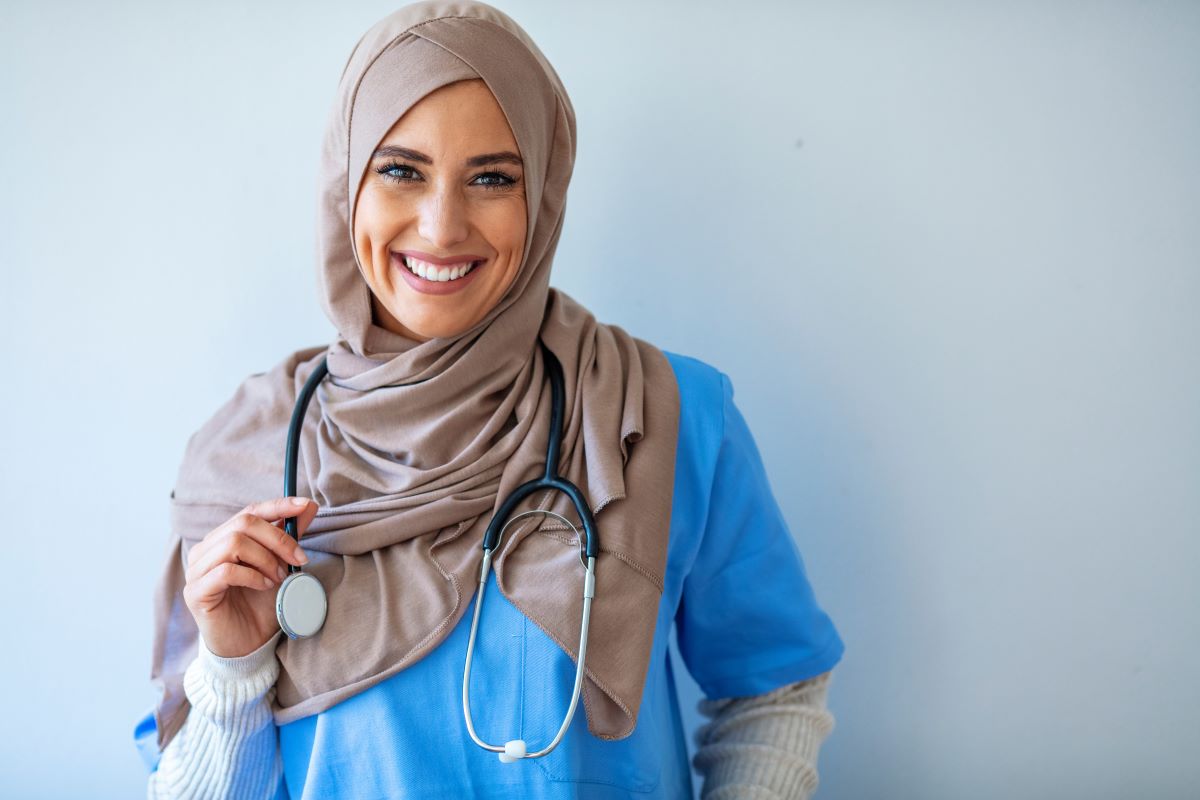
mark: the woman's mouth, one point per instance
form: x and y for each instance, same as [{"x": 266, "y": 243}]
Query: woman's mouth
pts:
[{"x": 436, "y": 278}]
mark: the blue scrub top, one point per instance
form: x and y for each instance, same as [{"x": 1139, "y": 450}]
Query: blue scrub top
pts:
[{"x": 746, "y": 620}]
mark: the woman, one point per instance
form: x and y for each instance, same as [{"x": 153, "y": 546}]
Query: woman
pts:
[{"x": 445, "y": 169}]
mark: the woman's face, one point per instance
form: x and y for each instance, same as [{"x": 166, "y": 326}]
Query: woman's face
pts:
[{"x": 440, "y": 222}]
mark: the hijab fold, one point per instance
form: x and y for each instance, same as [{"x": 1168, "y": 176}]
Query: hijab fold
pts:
[{"x": 410, "y": 447}]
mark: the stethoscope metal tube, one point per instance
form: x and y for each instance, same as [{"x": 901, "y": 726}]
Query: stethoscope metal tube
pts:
[{"x": 516, "y": 748}]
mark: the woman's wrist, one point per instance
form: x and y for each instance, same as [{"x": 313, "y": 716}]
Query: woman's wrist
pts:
[{"x": 239, "y": 668}]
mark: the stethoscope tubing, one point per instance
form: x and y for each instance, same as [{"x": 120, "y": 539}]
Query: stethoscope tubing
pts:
[
  {"x": 293, "y": 445},
  {"x": 550, "y": 479}
]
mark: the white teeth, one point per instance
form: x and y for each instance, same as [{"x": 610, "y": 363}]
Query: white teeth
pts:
[{"x": 433, "y": 272}]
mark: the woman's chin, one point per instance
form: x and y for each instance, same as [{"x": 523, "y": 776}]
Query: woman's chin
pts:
[{"x": 426, "y": 324}]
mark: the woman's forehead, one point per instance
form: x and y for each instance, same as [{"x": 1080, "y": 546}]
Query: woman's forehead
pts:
[{"x": 456, "y": 119}]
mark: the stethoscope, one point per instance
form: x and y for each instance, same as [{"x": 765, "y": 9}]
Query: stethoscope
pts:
[{"x": 301, "y": 603}]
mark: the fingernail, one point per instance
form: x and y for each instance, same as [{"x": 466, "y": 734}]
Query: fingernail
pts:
[
  {"x": 300, "y": 556},
  {"x": 281, "y": 572},
  {"x": 299, "y": 501}
]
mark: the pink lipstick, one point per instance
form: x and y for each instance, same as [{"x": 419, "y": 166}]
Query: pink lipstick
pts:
[{"x": 430, "y": 274}]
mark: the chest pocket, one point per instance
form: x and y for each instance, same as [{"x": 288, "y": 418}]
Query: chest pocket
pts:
[{"x": 632, "y": 763}]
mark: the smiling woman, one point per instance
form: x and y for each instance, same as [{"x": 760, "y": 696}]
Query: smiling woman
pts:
[
  {"x": 439, "y": 225},
  {"x": 462, "y": 391}
]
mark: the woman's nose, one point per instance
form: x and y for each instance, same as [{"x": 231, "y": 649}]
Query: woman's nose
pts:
[{"x": 443, "y": 218}]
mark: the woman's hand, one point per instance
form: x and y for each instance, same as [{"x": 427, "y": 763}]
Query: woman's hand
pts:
[{"x": 233, "y": 572}]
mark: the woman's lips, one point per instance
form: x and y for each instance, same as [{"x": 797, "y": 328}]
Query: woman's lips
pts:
[{"x": 426, "y": 286}]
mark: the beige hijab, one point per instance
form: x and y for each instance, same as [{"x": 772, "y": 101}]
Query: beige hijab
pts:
[{"x": 410, "y": 447}]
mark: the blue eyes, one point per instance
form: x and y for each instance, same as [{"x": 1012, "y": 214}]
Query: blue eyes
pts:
[{"x": 403, "y": 173}]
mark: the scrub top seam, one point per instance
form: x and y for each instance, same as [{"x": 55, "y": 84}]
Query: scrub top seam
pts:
[{"x": 833, "y": 645}]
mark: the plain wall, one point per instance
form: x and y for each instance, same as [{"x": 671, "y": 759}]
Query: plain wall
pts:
[{"x": 948, "y": 254}]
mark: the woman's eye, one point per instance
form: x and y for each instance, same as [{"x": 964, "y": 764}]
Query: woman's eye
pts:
[
  {"x": 496, "y": 180},
  {"x": 403, "y": 173},
  {"x": 396, "y": 172}
]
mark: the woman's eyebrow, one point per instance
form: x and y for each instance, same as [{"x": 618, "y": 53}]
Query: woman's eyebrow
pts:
[{"x": 502, "y": 157}]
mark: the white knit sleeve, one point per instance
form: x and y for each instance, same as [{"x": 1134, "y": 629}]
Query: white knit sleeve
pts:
[
  {"x": 764, "y": 747},
  {"x": 229, "y": 745}
]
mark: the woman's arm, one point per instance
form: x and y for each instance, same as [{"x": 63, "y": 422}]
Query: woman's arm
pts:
[
  {"x": 229, "y": 745},
  {"x": 764, "y": 747}
]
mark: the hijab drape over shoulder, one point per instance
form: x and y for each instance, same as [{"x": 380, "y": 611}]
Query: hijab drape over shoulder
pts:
[{"x": 409, "y": 447}]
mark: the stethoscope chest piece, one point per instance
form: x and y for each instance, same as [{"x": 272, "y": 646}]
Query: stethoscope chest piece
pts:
[{"x": 300, "y": 605}]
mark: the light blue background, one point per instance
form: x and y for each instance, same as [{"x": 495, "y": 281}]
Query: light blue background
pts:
[{"x": 948, "y": 253}]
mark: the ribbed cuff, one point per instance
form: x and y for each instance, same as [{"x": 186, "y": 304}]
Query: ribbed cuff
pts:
[
  {"x": 764, "y": 746},
  {"x": 228, "y": 746},
  {"x": 240, "y": 667},
  {"x": 233, "y": 691}
]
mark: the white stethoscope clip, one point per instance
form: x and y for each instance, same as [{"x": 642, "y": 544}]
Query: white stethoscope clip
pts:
[
  {"x": 300, "y": 605},
  {"x": 513, "y": 751}
]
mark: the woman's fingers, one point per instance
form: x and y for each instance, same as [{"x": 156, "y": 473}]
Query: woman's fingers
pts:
[
  {"x": 211, "y": 586},
  {"x": 252, "y": 521},
  {"x": 303, "y": 519},
  {"x": 237, "y": 548},
  {"x": 282, "y": 508},
  {"x": 306, "y": 517}
]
